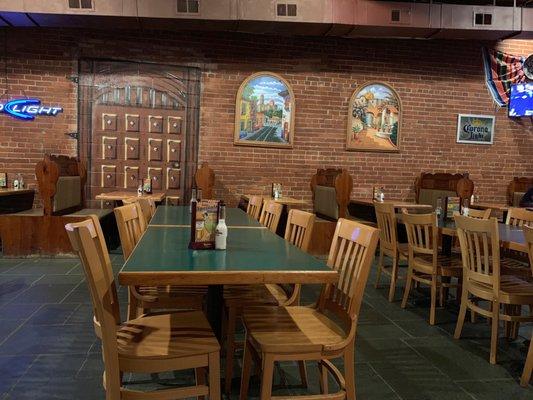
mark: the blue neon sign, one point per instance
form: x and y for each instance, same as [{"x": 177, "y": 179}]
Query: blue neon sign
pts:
[{"x": 27, "y": 109}]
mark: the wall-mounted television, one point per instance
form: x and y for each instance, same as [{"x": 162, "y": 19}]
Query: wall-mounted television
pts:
[{"x": 521, "y": 100}]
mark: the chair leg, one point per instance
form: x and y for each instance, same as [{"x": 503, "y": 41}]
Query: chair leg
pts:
[
  {"x": 133, "y": 305},
  {"x": 494, "y": 332},
  {"x": 200, "y": 379},
  {"x": 349, "y": 372},
  {"x": 323, "y": 380},
  {"x": 462, "y": 315},
  {"x": 230, "y": 347},
  {"x": 214, "y": 376},
  {"x": 528, "y": 366},
  {"x": 433, "y": 300},
  {"x": 246, "y": 371},
  {"x": 393, "y": 279},
  {"x": 266, "y": 379},
  {"x": 303, "y": 373},
  {"x": 380, "y": 268},
  {"x": 408, "y": 281}
]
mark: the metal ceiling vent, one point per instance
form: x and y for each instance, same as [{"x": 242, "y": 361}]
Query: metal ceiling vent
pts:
[
  {"x": 188, "y": 6},
  {"x": 287, "y": 10},
  {"x": 81, "y": 4},
  {"x": 482, "y": 19},
  {"x": 400, "y": 16}
]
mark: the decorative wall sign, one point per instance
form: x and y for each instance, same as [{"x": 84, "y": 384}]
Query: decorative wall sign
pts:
[
  {"x": 475, "y": 129},
  {"x": 264, "y": 112},
  {"x": 501, "y": 71},
  {"x": 27, "y": 109},
  {"x": 3, "y": 180},
  {"x": 374, "y": 119}
]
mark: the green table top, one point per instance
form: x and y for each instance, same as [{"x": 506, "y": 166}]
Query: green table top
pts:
[
  {"x": 253, "y": 256},
  {"x": 507, "y": 233},
  {"x": 180, "y": 215}
]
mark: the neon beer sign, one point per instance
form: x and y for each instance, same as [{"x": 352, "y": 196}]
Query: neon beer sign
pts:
[{"x": 28, "y": 109}]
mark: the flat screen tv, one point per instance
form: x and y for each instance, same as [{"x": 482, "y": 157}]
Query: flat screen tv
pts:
[{"x": 521, "y": 100}]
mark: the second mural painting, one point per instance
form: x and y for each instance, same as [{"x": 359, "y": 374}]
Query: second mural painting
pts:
[{"x": 374, "y": 119}]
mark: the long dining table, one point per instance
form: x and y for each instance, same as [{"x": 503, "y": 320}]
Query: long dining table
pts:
[{"x": 254, "y": 255}]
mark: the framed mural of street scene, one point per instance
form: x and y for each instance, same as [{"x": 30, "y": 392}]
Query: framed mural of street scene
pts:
[
  {"x": 475, "y": 129},
  {"x": 264, "y": 112},
  {"x": 374, "y": 119}
]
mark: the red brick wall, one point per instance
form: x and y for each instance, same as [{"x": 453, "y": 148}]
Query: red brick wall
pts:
[{"x": 436, "y": 80}]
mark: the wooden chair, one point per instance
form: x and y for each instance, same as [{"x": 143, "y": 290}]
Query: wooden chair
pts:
[
  {"x": 298, "y": 232},
  {"x": 479, "y": 214},
  {"x": 147, "y": 207},
  {"x": 308, "y": 333},
  {"x": 426, "y": 265},
  {"x": 131, "y": 226},
  {"x": 480, "y": 250},
  {"x": 388, "y": 244},
  {"x": 519, "y": 217},
  {"x": 270, "y": 215},
  {"x": 255, "y": 204},
  {"x": 148, "y": 344},
  {"x": 517, "y": 188},
  {"x": 205, "y": 180},
  {"x": 528, "y": 367}
]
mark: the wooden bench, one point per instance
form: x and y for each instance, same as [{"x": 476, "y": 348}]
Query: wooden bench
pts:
[
  {"x": 429, "y": 187},
  {"x": 41, "y": 231},
  {"x": 516, "y": 190}
]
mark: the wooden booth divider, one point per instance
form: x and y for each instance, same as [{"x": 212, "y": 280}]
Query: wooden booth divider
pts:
[{"x": 40, "y": 231}]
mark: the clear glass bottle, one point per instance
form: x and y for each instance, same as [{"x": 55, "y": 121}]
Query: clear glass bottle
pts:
[
  {"x": 199, "y": 194},
  {"x": 381, "y": 194},
  {"x": 221, "y": 232},
  {"x": 21, "y": 181},
  {"x": 438, "y": 210},
  {"x": 466, "y": 208},
  {"x": 140, "y": 188},
  {"x": 193, "y": 199}
]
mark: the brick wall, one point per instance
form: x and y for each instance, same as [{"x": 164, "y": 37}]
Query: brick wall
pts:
[{"x": 436, "y": 80}]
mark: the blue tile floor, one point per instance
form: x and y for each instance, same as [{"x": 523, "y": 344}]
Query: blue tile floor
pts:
[{"x": 48, "y": 349}]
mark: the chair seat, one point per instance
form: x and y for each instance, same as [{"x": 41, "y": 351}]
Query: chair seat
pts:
[
  {"x": 164, "y": 336},
  {"x": 403, "y": 250},
  {"x": 291, "y": 329},
  {"x": 172, "y": 296},
  {"x": 249, "y": 295},
  {"x": 513, "y": 290},
  {"x": 446, "y": 265},
  {"x": 510, "y": 266}
]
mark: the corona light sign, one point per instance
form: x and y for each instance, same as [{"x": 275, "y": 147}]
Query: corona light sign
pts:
[{"x": 28, "y": 109}]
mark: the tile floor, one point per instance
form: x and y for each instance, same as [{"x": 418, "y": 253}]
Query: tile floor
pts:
[{"x": 48, "y": 349}]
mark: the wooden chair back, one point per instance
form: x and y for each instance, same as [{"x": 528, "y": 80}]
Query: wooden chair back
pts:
[
  {"x": 131, "y": 226},
  {"x": 205, "y": 180},
  {"x": 480, "y": 250},
  {"x": 88, "y": 242},
  {"x": 255, "y": 203},
  {"x": 479, "y": 214},
  {"x": 528, "y": 234},
  {"x": 422, "y": 235},
  {"x": 299, "y": 228},
  {"x": 147, "y": 207},
  {"x": 386, "y": 218},
  {"x": 519, "y": 217},
  {"x": 270, "y": 215},
  {"x": 351, "y": 254}
]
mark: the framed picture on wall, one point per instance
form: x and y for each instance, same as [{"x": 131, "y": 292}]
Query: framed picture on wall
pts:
[
  {"x": 3, "y": 180},
  {"x": 374, "y": 119},
  {"x": 475, "y": 129},
  {"x": 264, "y": 112}
]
